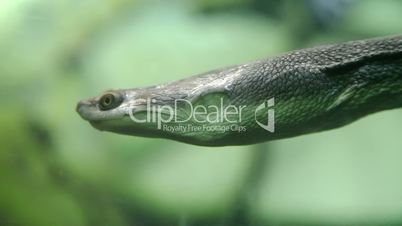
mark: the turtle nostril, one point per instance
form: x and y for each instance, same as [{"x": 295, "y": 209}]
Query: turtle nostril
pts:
[{"x": 80, "y": 105}]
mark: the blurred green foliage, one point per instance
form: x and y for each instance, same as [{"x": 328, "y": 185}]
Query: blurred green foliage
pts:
[{"x": 57, "y": 170}]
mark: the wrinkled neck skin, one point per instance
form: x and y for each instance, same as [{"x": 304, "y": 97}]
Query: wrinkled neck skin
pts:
[{"x": 297, "y": 93}]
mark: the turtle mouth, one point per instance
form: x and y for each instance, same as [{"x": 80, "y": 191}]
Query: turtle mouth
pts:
[
  {"x": 85, "y": 107},
  {"x": 80, "y": 108}
]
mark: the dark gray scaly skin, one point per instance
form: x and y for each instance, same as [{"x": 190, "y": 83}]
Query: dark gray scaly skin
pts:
[{"x": 315, "y": 89}]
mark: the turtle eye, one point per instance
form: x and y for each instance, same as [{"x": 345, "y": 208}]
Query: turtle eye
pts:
[{"x": 109, "y": 101}]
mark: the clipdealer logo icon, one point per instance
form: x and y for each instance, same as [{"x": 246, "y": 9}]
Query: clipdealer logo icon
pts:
[{"x": 269, "y": 124}]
